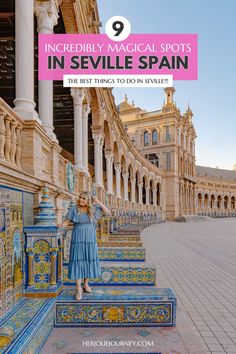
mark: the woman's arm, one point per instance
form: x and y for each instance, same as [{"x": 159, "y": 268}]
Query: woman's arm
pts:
[
  {"x": 65, "y": 223},
  {"x": 102, "y": 206}
]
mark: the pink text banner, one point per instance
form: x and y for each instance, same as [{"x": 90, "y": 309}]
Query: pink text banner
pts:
[{"x": 96, "y": 54}]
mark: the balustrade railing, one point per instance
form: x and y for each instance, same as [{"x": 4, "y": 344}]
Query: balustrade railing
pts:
[
  {"x": 25, "y": 145},
  {"x": 10, "y": 135}
]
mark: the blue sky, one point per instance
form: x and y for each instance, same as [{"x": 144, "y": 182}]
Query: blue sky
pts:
[{"x": 212, "y": 97}]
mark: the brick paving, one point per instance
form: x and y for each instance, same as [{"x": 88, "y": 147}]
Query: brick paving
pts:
[{"x": 196, "y": 259}]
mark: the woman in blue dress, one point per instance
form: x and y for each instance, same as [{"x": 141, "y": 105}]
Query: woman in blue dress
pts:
[{"x": 84, "y": 262}]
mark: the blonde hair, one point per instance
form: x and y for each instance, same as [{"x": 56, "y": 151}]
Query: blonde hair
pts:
[{"x": 90, "y": 203}]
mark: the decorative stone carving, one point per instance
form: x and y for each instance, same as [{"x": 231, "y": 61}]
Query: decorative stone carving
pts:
[
  {"x": 47, "y": 15},
  {"x": 70, "y": 177}
]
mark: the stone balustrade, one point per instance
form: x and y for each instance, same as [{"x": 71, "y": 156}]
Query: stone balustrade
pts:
[
  {"x": 10, "y": 135},
  {"x": 27, "y": 150},
  {"x": 26, "y": 146}
]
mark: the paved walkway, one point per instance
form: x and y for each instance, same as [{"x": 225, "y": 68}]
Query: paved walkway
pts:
[{"x": 198, "y": 260}]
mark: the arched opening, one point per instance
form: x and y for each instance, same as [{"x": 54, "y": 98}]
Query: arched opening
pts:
[
  {"x": 146, "y": 139},
  {"x": 116, "y": 160},
  {"x": 122, "y": 175},
  {"x": 232, "y": 202},
  {"x": 94, "y": 119},
  {"x": 154, "y": 137},
  {"x": 206, "y": 201},
  {"x": 226, "y": 199},
  {"x": 158, "y": 194},
  {"x": 151, "y": 189},
  {"x": 153, "y": 158},
  {"x": 107, "y": 146},
  {"x": 90, "y": 148},
  {"x": 144, "y": 190},
  {"x": 212, "y": 201},
  {"x": 181, "y": 165},
  {"x": 199, "y": 200},
  {"x": 130, "y": 176},
  {"x": 137, "y": 180},
  {"x": 219, "y": 202}
]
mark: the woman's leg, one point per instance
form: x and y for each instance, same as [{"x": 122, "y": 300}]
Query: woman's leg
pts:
[
  {"x": 86, "y": 286},
  {"x": 78, "y": 283},
  {"x": 79, "y": 292}
]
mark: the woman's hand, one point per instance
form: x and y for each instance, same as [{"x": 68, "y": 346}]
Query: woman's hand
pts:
[
  {"x": 103, "y": 207},
  {"x": 95, "y": 199},
  {"x": 64, "y": 224}
]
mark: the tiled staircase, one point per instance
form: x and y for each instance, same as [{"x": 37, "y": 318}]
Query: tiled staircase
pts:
[
  {"x": 25, "y": 328},
  {"x": 117, "y": 307},
  {"x": 121, "y": 274},
  {"x": 124, "y": 295}
]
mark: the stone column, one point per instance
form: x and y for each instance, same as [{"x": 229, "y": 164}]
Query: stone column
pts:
[
  {"x": 140, "y": 193},
  {"x": 154, "y": 191},
  {"x": 47, "y": 16},
  {"x": 109, "y": 170},
  {"x": 202, "y": 201},
  {"x": 133, "y": 191},
  {"x": 98, "y": 142},
  {"x": 147, "y": 194},
  {"x": 24, "y": 47},
  {"x": 85, "y": 113},
  {"x": 161, "y": 198},
  {"x": 125, "y": 176},
  {"x": 118, "y": 171},
  {"x": 78, "y": 96}
]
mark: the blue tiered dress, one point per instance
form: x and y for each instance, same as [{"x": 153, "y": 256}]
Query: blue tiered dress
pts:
[{"x": 83, "y": 262}]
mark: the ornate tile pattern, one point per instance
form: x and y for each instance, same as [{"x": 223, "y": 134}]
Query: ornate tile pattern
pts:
[
  {"x": 86, "y": 333},
  {"x": 61, "y": 344},
  {"x": 121, "y": 254},
  {"x": 120, "y": 274},
  {"x": 120, "y": 307},
  {"x": 44, "y": 251},
  {"x": 28, "y": 317},
  {"x": 42, "y": 264},
  {"x": 11, "y": 239},
  {"x": 124, "y": 314},
  {"x": 122, "y": 238},
  {"x": 28, "y": 210},
  {"x": 144, "y": 333},
  {"x": 119, "y": 244},
  {"x": 117, "y": 307}
]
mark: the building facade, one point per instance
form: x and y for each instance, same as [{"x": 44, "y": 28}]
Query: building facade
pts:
[
  {"x": 167, "y": 139},
  {"x": 215, "y": 192}
]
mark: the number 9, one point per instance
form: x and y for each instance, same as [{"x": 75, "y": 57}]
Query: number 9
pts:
[{"x": 118, "y": 27}]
